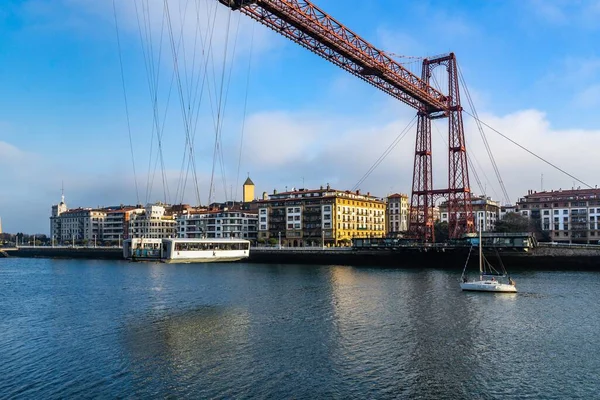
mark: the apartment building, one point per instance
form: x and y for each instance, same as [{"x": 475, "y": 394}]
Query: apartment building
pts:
[
  {"x": 155, "y": 222},
  {"x": 397, "y": 213},
  {"x": 218, "y": 224},
  {"x": 320, "y": 217},
  {"x": 79, "y": 224},
  {"x": 116, "y": 223},
  {"x": 566, "y": 215},
  {"x": 486, "y": 212}
]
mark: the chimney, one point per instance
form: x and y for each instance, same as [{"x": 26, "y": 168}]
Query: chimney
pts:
[
  {"x": 328, "y": 187},
  {"x": 274, "y": 191}
]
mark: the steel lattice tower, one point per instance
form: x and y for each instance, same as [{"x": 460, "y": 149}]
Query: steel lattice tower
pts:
[{"x": 458, "y": 194}]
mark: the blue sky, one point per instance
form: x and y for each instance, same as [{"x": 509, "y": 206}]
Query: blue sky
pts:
[{"x": 531, "y": 67}]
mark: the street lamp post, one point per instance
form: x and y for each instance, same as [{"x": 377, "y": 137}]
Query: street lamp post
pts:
[
  {"x": 94, "y": 241},
  {"x": 119, "y": 240},
  {"x": 279, "y": 240}
]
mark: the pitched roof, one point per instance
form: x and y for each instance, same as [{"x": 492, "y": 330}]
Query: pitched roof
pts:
[{"x": 248, "y": 182}]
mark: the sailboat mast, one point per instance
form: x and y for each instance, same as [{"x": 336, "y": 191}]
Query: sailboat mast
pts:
[{"x": 480, "y": 250}]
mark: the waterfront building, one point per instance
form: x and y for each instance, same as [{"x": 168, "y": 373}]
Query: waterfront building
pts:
[
  {"x": 116, "y": 223},
  {"x": 226, "y": 223},
  {"x": 155, "y": 222},
  {"x": 397, "y": 214},
  {"x": 320, "y": 217},
  {"x": 485, "y": 212},
  {"x": 565, "y": 215},
  {"x": 80, "y": 224},
  {"x": 56, "y": 220}
]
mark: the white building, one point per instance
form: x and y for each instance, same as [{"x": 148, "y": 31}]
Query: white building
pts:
[
  {"x": 486, "y": 213},
  {"x": 55, "y": 220},
  {"x": 397, "y": 213},
  {"x": 218, "y": 224},
  {"x": 80, "y": 224},
  {"x": 152, "y": 223},
  {"x": 566, "y": 215}
]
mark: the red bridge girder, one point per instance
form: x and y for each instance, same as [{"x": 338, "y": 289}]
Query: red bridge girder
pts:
[{"x": 309, "y": 26}]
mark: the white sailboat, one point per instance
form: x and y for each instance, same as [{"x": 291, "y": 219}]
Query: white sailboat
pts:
[{"x": 490, "y": 279}]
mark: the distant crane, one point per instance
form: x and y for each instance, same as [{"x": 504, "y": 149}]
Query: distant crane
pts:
[{"x": 306, "y": 24}]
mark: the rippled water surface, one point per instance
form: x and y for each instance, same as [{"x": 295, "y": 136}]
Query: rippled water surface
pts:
[{"x": 104, "y": 329}]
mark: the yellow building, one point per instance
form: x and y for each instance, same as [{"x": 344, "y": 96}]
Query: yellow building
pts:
[
  {"x": 320, "y": 217},
  {"x": 248, "y": 190}
]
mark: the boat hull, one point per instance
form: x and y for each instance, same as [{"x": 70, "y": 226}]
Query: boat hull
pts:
[{"x": 488, "y": 286}]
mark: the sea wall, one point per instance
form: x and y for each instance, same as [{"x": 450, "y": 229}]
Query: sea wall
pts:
[
  {"x": 540, "y": 258},
  {"x": 100, "y": 253}
]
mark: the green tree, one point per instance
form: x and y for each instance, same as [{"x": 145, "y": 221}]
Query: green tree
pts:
[
  {"x": 441, "y": 231},
  {"x": 513, "y": 222}
]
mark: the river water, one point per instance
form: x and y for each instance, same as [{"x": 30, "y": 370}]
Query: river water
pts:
[{"x": 106, "y": 329}]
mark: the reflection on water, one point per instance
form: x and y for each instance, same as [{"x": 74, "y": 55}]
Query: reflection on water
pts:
[
  {"x": 106, "y": 329},
  {"x": 188, "y": 347}
]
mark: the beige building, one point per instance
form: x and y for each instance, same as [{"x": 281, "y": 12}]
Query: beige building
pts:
[
  {"x": 153, "y": 223},
  {"x": 320, "y": 217},
  {"x": 80, "y": 224},
  {"x": 116, "y": 223}
]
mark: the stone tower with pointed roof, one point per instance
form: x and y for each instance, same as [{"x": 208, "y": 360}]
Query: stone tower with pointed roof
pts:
[{"x": 248, "y": 190}]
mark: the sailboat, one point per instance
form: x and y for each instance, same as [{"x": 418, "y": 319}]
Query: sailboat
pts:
[{"x": 490, "y": 279}]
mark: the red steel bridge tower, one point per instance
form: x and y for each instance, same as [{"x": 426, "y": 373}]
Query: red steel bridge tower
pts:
[{"x": 309, "y": 26}]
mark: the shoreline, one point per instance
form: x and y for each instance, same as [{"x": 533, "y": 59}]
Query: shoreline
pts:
[{"x": 541, "y": 258}]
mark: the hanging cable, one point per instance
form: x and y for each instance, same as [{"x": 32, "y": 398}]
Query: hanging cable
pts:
[
  {"x": 386, "y": 152},
  {"x": 219, "y": 107},
  {"x": 137, "y": 192},
  {"x": 152, "y": 75},
  {"x": 484, "y": 138},
  {"x": 237, "y": 181},
  {"x": 532, "y": 153}
]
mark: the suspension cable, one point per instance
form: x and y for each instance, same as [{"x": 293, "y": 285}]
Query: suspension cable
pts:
[
  {"x": 386, "y": 152},
  {"x": 219, "y": 107},
  {"x": 531, "y": 152},
  {"x": 137, "y": 192},
  {"x": 237, "y": 181},
  {"x": 484, "y": 138}
]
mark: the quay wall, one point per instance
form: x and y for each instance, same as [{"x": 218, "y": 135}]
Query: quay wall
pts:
[
  {"x": 540, "y": 258},
  {"x": 99, "y": 253}
]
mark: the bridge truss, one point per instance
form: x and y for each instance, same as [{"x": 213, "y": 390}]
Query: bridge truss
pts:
[{"x": 306, "y": 24}]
